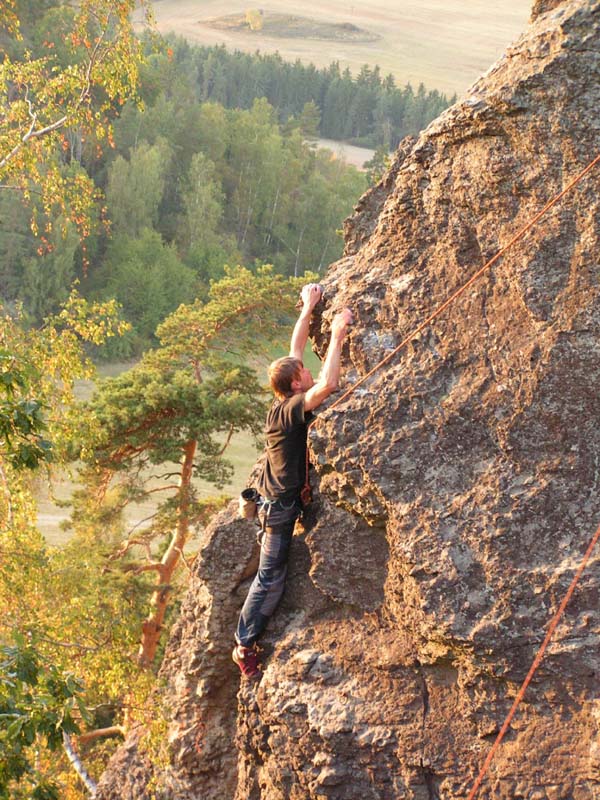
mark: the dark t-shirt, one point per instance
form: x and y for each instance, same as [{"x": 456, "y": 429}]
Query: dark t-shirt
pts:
[{"x": 285, "y": 466}]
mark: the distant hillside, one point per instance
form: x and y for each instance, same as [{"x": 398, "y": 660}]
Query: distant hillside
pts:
[{"x": 445, "y": 46}]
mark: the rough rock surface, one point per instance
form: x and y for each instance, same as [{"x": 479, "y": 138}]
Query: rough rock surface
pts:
[{"x": 458, "y": 488}]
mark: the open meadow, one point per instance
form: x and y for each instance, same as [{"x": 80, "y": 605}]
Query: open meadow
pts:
[{"x": 446, "y": 44}]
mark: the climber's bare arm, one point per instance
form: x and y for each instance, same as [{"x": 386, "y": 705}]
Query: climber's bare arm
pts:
[
  {"x": 311, "y": 294},
  {"x": 329, "y": 376}
]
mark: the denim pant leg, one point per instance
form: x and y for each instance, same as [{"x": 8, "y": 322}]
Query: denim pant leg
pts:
[{"x": 268, "y": 585}]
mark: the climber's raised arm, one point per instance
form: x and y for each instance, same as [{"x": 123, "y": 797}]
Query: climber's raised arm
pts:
[
  {"x": 328, "y": 379},
  {"x": 310, "y": 296}
]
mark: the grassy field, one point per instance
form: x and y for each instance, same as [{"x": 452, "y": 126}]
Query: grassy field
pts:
[
  {"x": 356, "y": 156},
  {"x": 242, "y": 453},
  {"x": 446, "y": 44}
]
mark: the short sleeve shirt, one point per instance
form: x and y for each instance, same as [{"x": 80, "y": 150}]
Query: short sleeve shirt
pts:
[{"x": 285, "y": 466}]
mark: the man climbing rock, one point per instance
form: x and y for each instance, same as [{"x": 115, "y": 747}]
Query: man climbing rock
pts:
[{"x": 296, "y": 396}]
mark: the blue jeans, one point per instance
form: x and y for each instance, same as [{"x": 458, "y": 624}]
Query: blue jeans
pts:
[{"x": 278, "y": 520}]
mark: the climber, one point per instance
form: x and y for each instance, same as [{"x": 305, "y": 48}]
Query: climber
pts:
[{"x": 296, "y": 396}]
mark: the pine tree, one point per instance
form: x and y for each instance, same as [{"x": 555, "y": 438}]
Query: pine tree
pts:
[{"x": 176, "y": 412}]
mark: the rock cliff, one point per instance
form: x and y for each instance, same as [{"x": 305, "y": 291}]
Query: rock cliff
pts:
[{"x": 456, "y": 490}]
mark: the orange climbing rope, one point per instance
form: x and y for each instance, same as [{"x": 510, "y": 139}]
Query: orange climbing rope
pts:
[
  {"x": 556, "y": 618},
  {"x": 536, "y": 662},
  {"x": 471, "y": 280},
  {"x": 306, "y": 491}
]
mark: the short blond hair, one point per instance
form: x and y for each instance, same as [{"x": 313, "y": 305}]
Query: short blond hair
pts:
[{"x": 281, "y": 374}]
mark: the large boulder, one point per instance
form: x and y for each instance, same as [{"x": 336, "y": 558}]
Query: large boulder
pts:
[{"x": 456, "y": 489}]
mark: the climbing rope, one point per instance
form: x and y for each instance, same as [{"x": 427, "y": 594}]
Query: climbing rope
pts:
[
  {"x": 536, "y": 662},
  {"x": 556, "y": 618},
  {"x": 306, "y": 491},
  {"x": 465, "y": 286}
]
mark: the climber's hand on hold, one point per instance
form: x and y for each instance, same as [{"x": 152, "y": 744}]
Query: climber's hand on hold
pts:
[{"x": 339, "y": 327}]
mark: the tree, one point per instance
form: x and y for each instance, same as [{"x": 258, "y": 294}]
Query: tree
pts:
[
  {"x": 135, "y": 187},
  {"x": 149, "y": 281},
  {"x": 16, "y": 243},
  {"x": 255, "y": 160},
  {"x": 39, "y": 700},
  {"x": 48, "y": 276},
  {"x": 378, "y": 165},
  {"x": 203, "y": 202},
  {"x": 254, "y": 19},
  {"x": 40, "y": 102},
  {"x": 309, "y": 121},
  {"x": 171, "y": 418}
]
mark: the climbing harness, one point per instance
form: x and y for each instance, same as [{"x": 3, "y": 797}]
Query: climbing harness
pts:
[
  {"x": 557, "y": 616},
  {"x": 265, "y": 507}
]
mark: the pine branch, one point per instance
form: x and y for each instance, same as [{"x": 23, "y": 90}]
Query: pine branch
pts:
[{"x": 101, "y": 733}]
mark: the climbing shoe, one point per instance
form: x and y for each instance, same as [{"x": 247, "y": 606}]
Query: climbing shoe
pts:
[{"x": 247, "y": 660}]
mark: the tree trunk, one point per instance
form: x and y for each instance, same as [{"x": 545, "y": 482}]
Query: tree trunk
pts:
[
  {"x": 298, "y": 252},
  {"x": 152, "y": 626}
]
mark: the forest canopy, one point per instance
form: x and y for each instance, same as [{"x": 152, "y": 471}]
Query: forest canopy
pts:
[{"x": 212, "y": 162}]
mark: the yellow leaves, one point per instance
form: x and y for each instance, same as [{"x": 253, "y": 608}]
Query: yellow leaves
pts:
[
  {"x": 44, "y": 101},
  {"x": 8, "y": 18}
]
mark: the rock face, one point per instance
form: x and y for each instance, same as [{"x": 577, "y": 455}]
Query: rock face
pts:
[{"x": 457, "y": 488}]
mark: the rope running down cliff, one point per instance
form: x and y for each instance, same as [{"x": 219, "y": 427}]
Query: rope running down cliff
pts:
[
  {"x": 465, "y": 286},
  {"x": 556, "y": 618},
  {"x": 536, "y": 662},
  {"x": 428, "y": 320}
]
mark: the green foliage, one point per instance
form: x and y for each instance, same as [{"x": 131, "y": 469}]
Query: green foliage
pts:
[
  {"x": 37, "y": 371},
  {"x": 378, "y": 165},
  {"x": 37, "y": 702},
  {"x": 72, "y": 87},
  {"x": 39, "y": 699},
  {"x": 367, "y": 108},
  {"x": 135, "y": 188},
  {"x": 48, "y": 276},
  {"x": 248, "y": 192},
  {"x": 77, "y": 617},
  {"x": 196, "y": 384},
  {"x": 147, "y": 279},
  {"x": 21, "y": 419},
  {"x": 158, "y": 427}
]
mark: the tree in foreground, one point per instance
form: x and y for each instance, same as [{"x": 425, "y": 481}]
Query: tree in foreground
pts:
[
  {"x": 169, "y": 421},
  {"x": 40, "y": 701},
  {"x": 43, "y": 102}
]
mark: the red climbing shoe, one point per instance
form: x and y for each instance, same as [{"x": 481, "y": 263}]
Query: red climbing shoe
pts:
[{"x": 247, "y": 660}]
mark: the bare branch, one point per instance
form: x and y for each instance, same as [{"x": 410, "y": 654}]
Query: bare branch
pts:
[
  {"x": 188, "y": 566},
  {"x": 78, "y": 766},
  {"x": 76, "y": 645},
  {"x": 137, "y": 525},
  {"x": 162, "y": 488},
  {"x": 9, "y": 511},
  {"x": 227, "y": 441},
  {"x": 84, "y": 94},
  {"x": 154, "y": 566},
  {"x": 20, "y": 189},
  {"x": 128, "y": 544}
]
